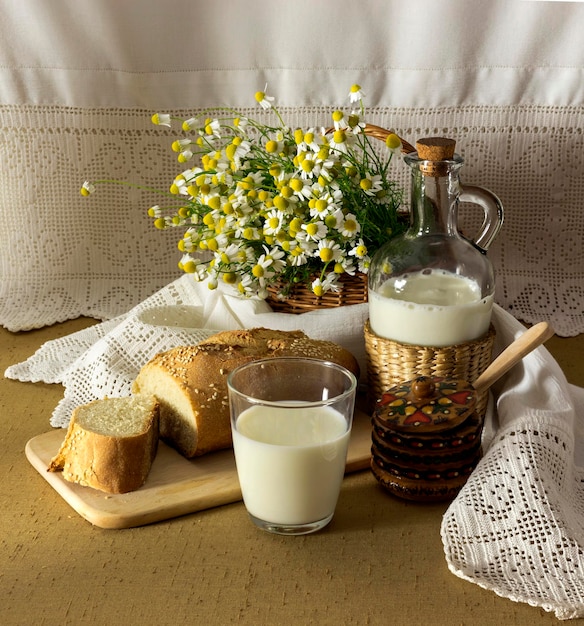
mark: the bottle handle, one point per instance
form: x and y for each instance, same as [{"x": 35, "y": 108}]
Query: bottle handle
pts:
[{"x": 493, "y": 209}]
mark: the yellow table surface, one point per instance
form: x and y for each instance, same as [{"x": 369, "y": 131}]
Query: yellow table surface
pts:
[{"x": 380, "y": 561}]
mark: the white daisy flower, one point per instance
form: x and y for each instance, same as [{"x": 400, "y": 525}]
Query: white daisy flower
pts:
[
  {"x": 87, "y": 188},
  {"x": 273, "y": 222},
  {"x": 360, "y": 250},
  {"x": 313, "y": 231},
  {"x": 356, "y": 93},
  {"x": 350, "y": 226},
  {"x": 265, "y": 101},
  {"x": 321, "y": 286},
  {"x": 328, "y": 250},
  {"x": 161, "y": 119},
  {"x": 371, "y": 184},
  {"x": 213, "y": 128}
]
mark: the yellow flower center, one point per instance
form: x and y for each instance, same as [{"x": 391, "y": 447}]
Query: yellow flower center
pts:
[
  {"x": 326, "y": 254},
  {"x": 214, "y": 203},
  {"x": 312, "y": 229},
  {"x": 246, "y": 183},
  {"x": 287, "y": 191},
  {"x": 189, "y": 267},
  {"x": 296, "y": 184},
  {"x": 321, "y": 205},
  {"x": 393, "y": 141},
  {"x": 295, "y": 225},
  {"x": 272, "y": 146},
  {"x": 230, "y": 151},
  {"x": 350, "y": 225},
  {"x": 330, "y": 221},
  {"x": 353, "y": 120},
  {"x": 280, "y": 203}
]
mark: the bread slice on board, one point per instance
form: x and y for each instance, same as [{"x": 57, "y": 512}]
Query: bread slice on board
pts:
[
  {"x": 110, "y": 444},
  {"x": 190, "y": 382}
]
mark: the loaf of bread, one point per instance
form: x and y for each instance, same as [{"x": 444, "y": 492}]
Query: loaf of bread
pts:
[
  {"x": 110, "y": 444},
  {"x": 190, "y": 382}
]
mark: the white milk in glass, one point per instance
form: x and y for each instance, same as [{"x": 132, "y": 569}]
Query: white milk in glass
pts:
[
  {"x": 290, "y": 462},
  {"x": 430, "y": 308}
]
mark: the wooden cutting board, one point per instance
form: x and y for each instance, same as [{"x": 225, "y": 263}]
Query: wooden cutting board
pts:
[{"x": 175, "y": 486}]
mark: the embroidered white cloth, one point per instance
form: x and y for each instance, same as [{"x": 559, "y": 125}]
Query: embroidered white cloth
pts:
[
  {"x": 104, "y": 359},
  {"x": 516, "y": 528}
]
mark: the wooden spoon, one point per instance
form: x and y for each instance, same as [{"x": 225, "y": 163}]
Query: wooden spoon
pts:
[{"x": 523, "y": 345}]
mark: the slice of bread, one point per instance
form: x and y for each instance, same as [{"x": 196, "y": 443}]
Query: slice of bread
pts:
[
  {"x": 190, "y": 382},
  {"x": 110, "y": 444}
]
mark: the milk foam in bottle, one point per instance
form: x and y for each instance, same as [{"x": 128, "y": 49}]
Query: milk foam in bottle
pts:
[{"x": 431, "y": 286}]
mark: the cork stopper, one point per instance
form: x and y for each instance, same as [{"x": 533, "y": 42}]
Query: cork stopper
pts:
[
  {"x": 435, "y": 148},
  {"x": 434, "y": 151}
]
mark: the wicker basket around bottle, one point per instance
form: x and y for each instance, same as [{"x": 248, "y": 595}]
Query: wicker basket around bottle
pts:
[
  {"x": 390, "y": 363},
  {"x": 300, "y": 299}
]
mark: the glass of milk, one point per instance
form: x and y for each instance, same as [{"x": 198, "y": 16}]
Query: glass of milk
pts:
[{"x": 291, "y": 421}]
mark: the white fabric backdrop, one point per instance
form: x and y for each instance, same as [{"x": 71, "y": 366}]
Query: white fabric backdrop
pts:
[{"x": 79, "y": 81}]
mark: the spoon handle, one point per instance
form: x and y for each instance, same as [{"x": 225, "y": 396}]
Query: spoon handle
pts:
[{"x": 523, "y": 345}]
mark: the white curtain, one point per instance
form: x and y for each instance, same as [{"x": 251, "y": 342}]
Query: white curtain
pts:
[{"x": 79, "y": 81}]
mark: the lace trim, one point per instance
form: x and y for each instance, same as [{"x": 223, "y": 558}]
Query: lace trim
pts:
[{"x": 65, "y": 256}]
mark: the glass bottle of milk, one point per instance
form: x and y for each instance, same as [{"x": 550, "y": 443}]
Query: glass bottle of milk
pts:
[{"x": 431, "y": 286}]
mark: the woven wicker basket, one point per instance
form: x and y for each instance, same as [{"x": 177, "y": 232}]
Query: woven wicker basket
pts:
[
  {"x": 300, "y": 299},
  {"x": 390, "y": 363}
]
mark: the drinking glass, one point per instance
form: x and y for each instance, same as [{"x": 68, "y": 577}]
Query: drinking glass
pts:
[{"x": 291, "y": 420}]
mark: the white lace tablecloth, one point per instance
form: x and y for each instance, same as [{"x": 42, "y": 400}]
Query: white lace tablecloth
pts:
[{"x": 516, "y": 528}]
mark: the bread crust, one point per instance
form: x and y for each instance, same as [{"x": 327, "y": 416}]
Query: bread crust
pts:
[
  {"x": 190, "y": 382},
  {"x": 111, "y": 463}
]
